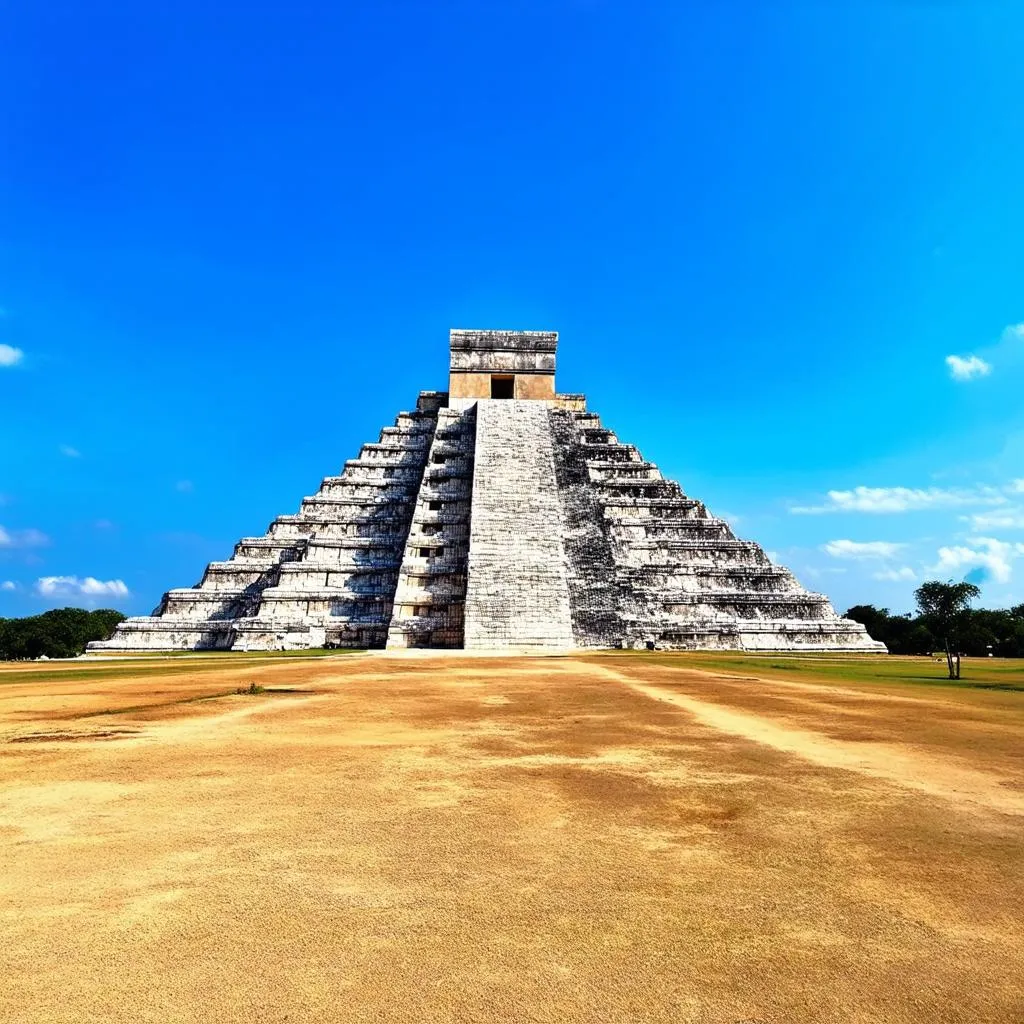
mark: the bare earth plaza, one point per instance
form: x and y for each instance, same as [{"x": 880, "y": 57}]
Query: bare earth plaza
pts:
[
  {"x": 615, "y": 837},
  {"x": 502, "y": 725}
]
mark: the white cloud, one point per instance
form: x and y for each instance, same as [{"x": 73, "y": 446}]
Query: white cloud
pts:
[
  {"x": 1011, "y": 518},
  {"x": 989, "y": 557},
  {"x": 8, "y": 585},
  {"x": 10, "y": 356},
  {"x": 901, "y": 499},
  {"x": 22, "y": 538},
  {"x": 1016, "y": 486},
  {"x": 72, "y": 586},
  {"x": 895, "y": 575},
  {"x": 116, "y": 588},
  {"x": 967, "y": 369},
  {"x": 862, "y": 549},
  {"x": 964, "y": 368},
  {"x": 184, "y": 486},
  {"x": 71, "y": 453}
]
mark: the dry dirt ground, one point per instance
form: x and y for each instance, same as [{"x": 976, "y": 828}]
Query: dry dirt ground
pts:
[{"x": 579, "y": 839}]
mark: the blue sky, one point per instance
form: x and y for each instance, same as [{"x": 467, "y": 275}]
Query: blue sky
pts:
[{"x": 233, "y": 239}]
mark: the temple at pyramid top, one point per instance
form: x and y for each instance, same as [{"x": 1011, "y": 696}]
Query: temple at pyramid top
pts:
[
  {"x": 502, "y": 364},
  {"x": 498, "y": 515}
]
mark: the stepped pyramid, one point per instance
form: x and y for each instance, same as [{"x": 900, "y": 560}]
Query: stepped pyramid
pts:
[{"x": 498, "y": 514}]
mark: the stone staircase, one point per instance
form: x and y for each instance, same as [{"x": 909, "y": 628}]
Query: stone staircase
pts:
[{"x": 518, "y": 592}]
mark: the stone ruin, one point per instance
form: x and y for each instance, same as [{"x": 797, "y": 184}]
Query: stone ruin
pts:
[{"x": 496, "y": 515}]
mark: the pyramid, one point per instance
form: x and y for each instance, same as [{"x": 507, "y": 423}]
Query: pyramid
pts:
[{"x": 496, "y": 515}]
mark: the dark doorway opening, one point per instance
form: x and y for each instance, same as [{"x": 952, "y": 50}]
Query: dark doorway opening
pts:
[{"x": 503, "y": 387}]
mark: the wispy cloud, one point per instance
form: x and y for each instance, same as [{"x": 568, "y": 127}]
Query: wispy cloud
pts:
[
  {"x": 10, "y": 356},
  {"x": 23, "y": 538},
  {"x": 1010, "y": 518},
  {"x": 1015, "y": 332},
  {"x": 988, "y": 559},
  {"x": 184, "y": 486},
  {"x": 902, "y": 499},
  {"x": 862, "y": 549},
  {"x": 967, "y": 369},
  {"x": 901, "y": 575},
  {"x": 8, "y": 585},
  {"x": 71, "y": 453},
  {"x": 72, "y": 586}
]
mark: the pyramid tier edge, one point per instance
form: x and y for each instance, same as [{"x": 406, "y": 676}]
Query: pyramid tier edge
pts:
[{"x": 496, "y": 524}]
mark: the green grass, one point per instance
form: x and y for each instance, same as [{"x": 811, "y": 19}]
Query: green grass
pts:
[
  {"x": 976, "y": 673},
  {"x": 148, "y": 667},
  {"x": 312, "y": 652},
  {"x": 1004, "y": 674}
]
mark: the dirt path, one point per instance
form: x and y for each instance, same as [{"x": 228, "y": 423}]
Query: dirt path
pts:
[
  {"x": 965, "y": 787},
  {"x": 821, "y": 689}
]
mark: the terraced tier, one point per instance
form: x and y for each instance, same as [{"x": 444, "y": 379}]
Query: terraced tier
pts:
[
  {"x": 499, "y": 515},
  {"x": 326, "y": 575}
]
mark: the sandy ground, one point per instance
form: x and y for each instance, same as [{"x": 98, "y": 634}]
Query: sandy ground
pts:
[{"x": 599, "y": 839}]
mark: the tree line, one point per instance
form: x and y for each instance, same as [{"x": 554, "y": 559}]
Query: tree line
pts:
[
  {"x": 60, "y": 633},
  {"x": 945, "y": 621}
]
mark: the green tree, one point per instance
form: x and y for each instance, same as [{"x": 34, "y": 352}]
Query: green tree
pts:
[
  {"x": 943, "y": 607},
  {"x": 875, "y": 620},
  {"x": 59, "y": 633},
  {"x": 900, "y": 633},
  {"x": 919, "y": 639}
]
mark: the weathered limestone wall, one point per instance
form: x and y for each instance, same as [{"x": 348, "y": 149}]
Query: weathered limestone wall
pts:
[
  {"x": 540, "y": 386},
  {"x": 474, "y": 386},
  {"x": 575, "y": 403},
  {"x": 469, "y": 386},
  {"x": 476, "y": 355},
  {"x": 593, "y": 586},
  {"x": 517, "y": 593},
  {"x": 429, "y": 603},
  {"x": 682, "y": 578},
  {"x": 503, "y": 351}
]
